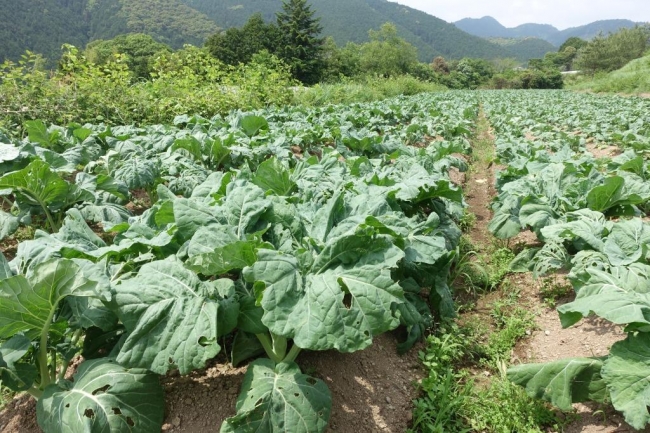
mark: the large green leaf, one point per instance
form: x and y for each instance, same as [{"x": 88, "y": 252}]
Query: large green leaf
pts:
[
  {"x": 28, "y": 304},
  {"x": 612, "y": 193},
  {"x": 237, "y": 255},
  {"x": 244, "y": 205},
  {"x": 621, "y": 296},
  {"x": 505, "y": 225},
  {"x": 172, "y": 318},
  {"x": 627, "y": 373},
  {"x": 8, "y": 224},
  {"x": 280, "y": 398},
  {"x": 37, "y": 185},
  {"x": 627, "y": 242},
  {"x": 136, "y": 172},
  {"x": 272, "y": 175},
  {"x": 252, "y": 125},
  {"x": 8, "y": 152},
  {"x": 562, "y": 382},
  {"x": 5, "y": 269},
  {"x": 104, "y": 398},
  {"x": 341, "y": 302}
]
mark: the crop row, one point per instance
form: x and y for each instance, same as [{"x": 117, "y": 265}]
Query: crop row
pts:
[
  {"x": 285, "y": 229},
  {"x": 589, "y": 213}
]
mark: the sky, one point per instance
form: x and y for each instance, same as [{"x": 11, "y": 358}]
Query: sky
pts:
[{"x": 560, "y": 13}]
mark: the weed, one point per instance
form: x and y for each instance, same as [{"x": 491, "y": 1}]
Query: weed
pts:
[
  {"x": 443, "y": 393},
  {"x": 466, "y": 270},
  {"x": 503, "y": 407},
  {"x": 6, "y": 396},
  {"x": 467, "y": 222},
  {"x": 552, "y": 290}
]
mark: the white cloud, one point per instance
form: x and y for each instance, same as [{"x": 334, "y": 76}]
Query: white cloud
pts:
[{"x": 560, "y": 13}]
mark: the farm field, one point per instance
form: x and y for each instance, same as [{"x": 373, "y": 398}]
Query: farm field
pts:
[{"x": 295, "y": 269}]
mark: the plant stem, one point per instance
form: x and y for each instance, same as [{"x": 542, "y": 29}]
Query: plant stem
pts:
[
  {"x": 35, "y": 392},
  {"x": 279, "y": 345},
  {"x": 42, "y": 350},
  {"x": 66, "y": 363},
  {"x": 293, "y": 354},
  {"x": 50, "y": 220},
  {"x": 268, "y": 347}
]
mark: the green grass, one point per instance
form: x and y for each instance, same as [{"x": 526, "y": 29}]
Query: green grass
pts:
[
  {"x": 553, "y": 290},
  {"x": 365, "y": 89},
  {"x": 452, "y": 401},
  {"x": 632, "y": 78}
]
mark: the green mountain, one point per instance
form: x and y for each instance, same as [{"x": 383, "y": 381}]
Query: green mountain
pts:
[
  {"x": 44, "y": 25},
  {"x": 525, "y": 48},
  {"x": 350, "y": 20},
  {"x": 488, "y": 27},
  {"x": 590, "y": 30}
]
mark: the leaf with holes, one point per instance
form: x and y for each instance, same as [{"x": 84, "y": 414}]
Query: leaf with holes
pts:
[
  {"x": 340, "y": 301},
  {"x": 104, "y": 397},
  {"x": 172, "y": 318},
  {"x": 280, "y": 398}
]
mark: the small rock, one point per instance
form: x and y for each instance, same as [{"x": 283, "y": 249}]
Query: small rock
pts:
[
  {"x": 547, "y": 333},
  {"x": 176, "y": 422},
  {"x": 388, "y": 400},
  {"x": 528, "y": 332},
  {"x": 391, "y": 407}
]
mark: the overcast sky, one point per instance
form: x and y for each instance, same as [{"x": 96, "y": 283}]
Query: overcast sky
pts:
[{"x": 560, "y": 13}]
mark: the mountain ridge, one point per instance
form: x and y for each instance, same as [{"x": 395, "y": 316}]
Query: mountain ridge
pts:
[
  {"x": 42, "y": 26},
  {"x": 489, "y": 27}
]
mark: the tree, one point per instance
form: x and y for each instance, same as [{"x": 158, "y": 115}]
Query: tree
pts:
[
  {"x": 238, "y": 45},
  {"x": 440, "y": 65},
  {"x": 387, "y": 54},
  {"x": 301, "y": 46},
  {"x": 141, "y": 50},
  {"x": 574, "y": 42},
  {"x": 607, "y": 53}
]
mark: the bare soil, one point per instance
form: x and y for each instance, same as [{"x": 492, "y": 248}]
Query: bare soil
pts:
[
  {"x": 372, "y": 391},
  {"x": 600, "y": 150}
]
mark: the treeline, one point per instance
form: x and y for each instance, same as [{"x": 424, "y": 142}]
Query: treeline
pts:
[{"x": 604, "y": 53}]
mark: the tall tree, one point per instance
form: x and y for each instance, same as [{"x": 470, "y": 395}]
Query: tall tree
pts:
[
  {"x": 302, "y": 46},
  {"x": 238, "y": 45}
]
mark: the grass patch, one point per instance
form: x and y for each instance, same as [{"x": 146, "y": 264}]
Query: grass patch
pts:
[
  {"x": 452, "y": 401},
  {"x": 631, "y": 78},
  {"x": 364, "y": 89}
]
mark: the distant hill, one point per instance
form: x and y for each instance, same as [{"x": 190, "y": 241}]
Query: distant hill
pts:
[
  {"x": 488, "y": 27},
  {"x": 525, "y": 48},
  {"x": 43, "y": 26},
  {"x": 350, "y": 20},
  {"x": 590, "y": 30}
]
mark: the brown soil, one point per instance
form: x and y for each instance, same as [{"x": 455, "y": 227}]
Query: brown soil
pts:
[
  {"x": 19, "y": 416},
  {"x": 600, "y": 150},
  {"x": 9, "y": 247},
  {"x": 372, "y": 391},
  {"x": 550, "y": 342}
]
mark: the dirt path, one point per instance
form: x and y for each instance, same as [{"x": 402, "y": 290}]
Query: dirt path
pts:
[{"x": 548, "y": 342}]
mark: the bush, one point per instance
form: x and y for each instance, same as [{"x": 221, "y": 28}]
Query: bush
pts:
[{"x": 188, "y": 81}]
